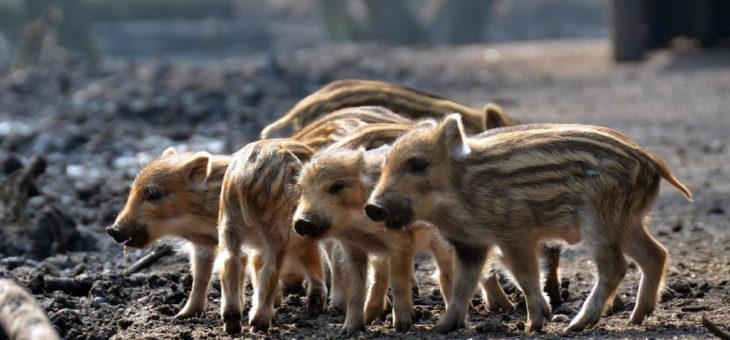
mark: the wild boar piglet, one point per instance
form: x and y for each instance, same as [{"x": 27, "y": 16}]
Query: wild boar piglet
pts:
[
  {"x": 519, "y": 186},
  {"x": 334, "y": 186},
  {"x": 177, "y": 195},
  {"x": 405, "y": 101},
  {"x": 257, "y": 201}
]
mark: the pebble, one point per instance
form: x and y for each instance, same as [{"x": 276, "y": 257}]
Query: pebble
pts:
[{"x": 562, "y": 318}]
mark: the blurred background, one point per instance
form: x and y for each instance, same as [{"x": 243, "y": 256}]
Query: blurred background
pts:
[
  {"x": 93, "y": 90},
  {"x": 208, "y": 30},
  {"x": 33, "y": 31}
]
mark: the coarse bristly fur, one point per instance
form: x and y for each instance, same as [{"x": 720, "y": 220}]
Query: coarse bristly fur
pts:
[
  {"x": 178, "y": 195},
  {"x": 255, "y": 212},
  {"x": 518, "y": 186},
  {"x": 399, "y": 99},
  {"x": 335, "y": 184}
]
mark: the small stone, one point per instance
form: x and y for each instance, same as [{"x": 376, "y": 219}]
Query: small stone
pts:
[
  {"x": 677, "y": 227},
  {"x": 562, "y": 318},
  {"x": 97, "y": 301},
  {"x": 124, "y": 323},
  {"x": 716, "y": 210}
]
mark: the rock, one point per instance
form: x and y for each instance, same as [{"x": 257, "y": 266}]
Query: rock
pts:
[
  {"x": 694, "y": 308},
  {"x": 716, "y": 210},
  {"x": 10, "y": 164},
  {"x": 55, "y": 232},
  {"x": 563, "y": 310},
  {"x": 668, "y": 295}
]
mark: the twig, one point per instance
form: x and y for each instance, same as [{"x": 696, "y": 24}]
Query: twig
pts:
[
  {"x": 149, "y": 259},
  {"x": 20, "y": 315},
  {"x": 714, "y": 329}
]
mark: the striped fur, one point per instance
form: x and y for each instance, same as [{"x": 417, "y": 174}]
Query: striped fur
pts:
[
  {"x": 341, "y": 123},
  {"x": 400, "y": 99},
  {"x": 255, "y": 212},
  {"x": 191, "y": 184},
  {"x": 257, "y": 202},
  {"x": 324, "y": 213},
  {"x": 516, "y": 187}
]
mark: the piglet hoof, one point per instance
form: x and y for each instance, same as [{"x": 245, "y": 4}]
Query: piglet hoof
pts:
[
  {"x": 347, "y": 331},
  {"x": 638, "y": 317},
  {"x": 373, "y": 313},
  {"x": 232, "y": 322},
  {"x": 315, "y": 305},
  {"x": 533, "y": 326},
  {"x": 447, "y": 324},
  {"x": 536, "y": 323},
  {"x": 402, "y": 325},
  {"x": 187, "y": 313},
  {"x": 259, "y": 324},
  {"x": 578, "y": 325},
  {"x": 500, "y": 304}
]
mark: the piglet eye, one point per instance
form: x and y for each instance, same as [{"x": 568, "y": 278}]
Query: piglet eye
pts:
[
  {"x": 417, "y": 165},
  {"x": 152, "y": 194},
  {"x": 336, "y": 188}
]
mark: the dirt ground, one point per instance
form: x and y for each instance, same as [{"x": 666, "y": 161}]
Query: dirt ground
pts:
[{"x": 96, "y": 126}]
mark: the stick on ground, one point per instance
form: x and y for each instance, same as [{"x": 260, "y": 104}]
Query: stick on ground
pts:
[
  {"x": 149, "y": 259},
  {"x": 714, "y": 329},
  {"x": 20, "y": 315}
]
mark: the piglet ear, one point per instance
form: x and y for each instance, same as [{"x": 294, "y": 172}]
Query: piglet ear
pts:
[
  {"x": 425, "y": 123},
  {"x": 495, "y": 117},
  {"x": 169, "y": 152},
  {"x": 451, "y": 135},
  {"x": 198, "y": 169}
]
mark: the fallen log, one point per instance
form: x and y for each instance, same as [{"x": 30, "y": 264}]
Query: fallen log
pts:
[
  {"x": 149, "y": 259},
  {"x": 77, "y": 286},
  {"x": 714, "y": 329},
  {"x": 20, "y": 315}
]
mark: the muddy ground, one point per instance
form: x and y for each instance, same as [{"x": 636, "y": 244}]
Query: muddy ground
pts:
[{"x": 96, "y": 126}]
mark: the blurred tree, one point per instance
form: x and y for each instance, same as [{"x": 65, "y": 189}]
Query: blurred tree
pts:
[
  {"x": 461, "y": 21},
  {"x": 456, "y": 21},
  {"x": 393, "y": 21},
  {"x": 66, "y": 18},
  {"x": 340, "y": 23}
]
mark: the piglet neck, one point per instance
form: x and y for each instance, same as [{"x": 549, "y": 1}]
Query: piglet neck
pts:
[{"x": 211, "y": 202}]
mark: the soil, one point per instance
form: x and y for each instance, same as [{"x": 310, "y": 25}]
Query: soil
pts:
[{"x": 96, "y": 126}]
